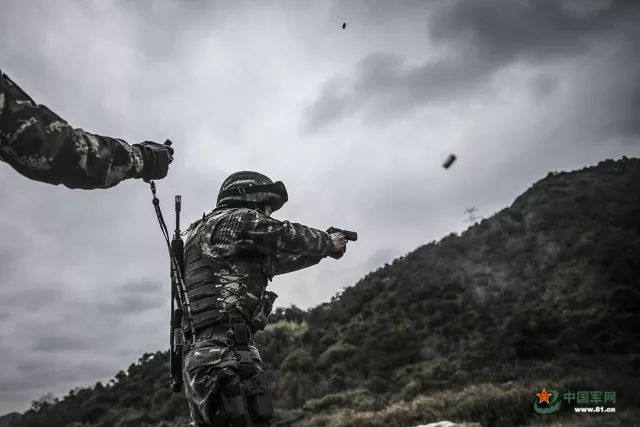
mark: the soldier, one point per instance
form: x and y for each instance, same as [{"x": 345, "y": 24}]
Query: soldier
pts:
[
  {"x": 230, "y": 256},
  {"x": 42, "y": 146}
]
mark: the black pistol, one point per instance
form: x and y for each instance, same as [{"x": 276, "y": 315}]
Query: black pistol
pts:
[
  {"x": 349, "y": 235},
  {"x": 176, "y": 333}
]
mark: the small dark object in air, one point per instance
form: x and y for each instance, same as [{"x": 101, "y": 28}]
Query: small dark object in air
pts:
[
  {"x": 447, "y": 163},
  {"x": 344, "y": 25}
]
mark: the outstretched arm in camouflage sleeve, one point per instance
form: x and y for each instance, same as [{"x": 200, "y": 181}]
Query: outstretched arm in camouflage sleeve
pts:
[
  {"x": 42, "y": 146},
  {"x": 285, "y": 263},
  {"x": 272, "y": 237}
]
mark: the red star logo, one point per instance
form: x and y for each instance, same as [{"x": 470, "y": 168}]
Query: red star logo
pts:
[{"x": 544, "y": 396}]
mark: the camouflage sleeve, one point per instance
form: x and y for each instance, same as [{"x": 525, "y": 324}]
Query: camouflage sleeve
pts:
[
  {"x": 42, "y": 146},
  {"x": 272, "y": 237},
  {"x": 287, "y": 263}
]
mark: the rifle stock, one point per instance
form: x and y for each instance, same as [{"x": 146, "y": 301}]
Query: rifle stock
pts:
[{"x": 176, "y": 333}]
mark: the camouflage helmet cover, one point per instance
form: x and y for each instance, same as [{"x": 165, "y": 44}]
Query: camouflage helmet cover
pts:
[{"x": 242, "y": 188}]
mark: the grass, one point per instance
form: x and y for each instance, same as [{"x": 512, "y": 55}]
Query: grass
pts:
[{"x": 488, "y": 404}]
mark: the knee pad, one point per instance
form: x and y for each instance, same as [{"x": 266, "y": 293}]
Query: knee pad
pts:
[
  {"x": 258, "y": 397},
  {"x": 260, "y": 406},
  {"x": 234, "y": 402}
]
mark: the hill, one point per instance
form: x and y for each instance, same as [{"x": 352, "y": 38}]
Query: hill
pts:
[
  {"x": 545, "y": 293},
  {"x": 6, "y": 420}
]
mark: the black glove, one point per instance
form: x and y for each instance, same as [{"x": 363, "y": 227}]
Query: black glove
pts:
[
  {"x": 338, "y": 244},
  {"x": 156, "y": 159},
  {"x": 337, "y": 254}
]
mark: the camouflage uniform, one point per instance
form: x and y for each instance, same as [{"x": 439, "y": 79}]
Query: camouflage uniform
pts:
[
  {"x": 40, "y": 145},
  {"x": 230, "y": 256}
]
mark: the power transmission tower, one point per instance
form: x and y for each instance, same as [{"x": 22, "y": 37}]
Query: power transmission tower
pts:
[{"x": 472, "y": 218}]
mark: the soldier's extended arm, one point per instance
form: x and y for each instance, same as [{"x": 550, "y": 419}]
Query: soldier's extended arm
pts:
[
  {"x": 42, "y": 146},
  {"x": 285, "y": 263},
  {"x": 272, "y": 237}
]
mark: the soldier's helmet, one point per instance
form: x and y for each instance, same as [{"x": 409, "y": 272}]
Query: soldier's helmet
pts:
[{"x": 249, "y": 188}]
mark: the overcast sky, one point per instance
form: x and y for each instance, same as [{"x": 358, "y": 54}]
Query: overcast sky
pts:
[{"x": 355, "y": 122}]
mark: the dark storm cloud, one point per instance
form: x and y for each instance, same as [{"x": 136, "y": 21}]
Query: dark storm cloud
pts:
[
  {"x": 20, "y": 295},
  {"x": 135, "y": 298},
  {"x": 384, "y": 87},
  {"x": 8, "y": 261},
  {"x": 480, "y": 39},
  {"x": 26, "y": 367},
  {"x": 47, "y": 341},
  {"x": 38, "y": 374},
  {"x": 543, "y": 85},
  {"x": 15, "y": 391},
  {"x": 14, "y": 247},
  {"x": 140, "y": 286},
  {"x": 506, "y": 30},
  {"x": 380, "y": 14}
]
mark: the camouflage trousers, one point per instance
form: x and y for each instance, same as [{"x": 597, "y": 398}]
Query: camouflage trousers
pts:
[{"x": 226, "y": 386}]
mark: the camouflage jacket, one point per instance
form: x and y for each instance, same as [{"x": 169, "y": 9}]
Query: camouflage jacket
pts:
[
  {"x": 232, "y": 254},
  {"x": 40, "y": 145}
]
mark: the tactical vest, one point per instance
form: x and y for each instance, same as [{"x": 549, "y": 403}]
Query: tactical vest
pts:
[{"x": 221, "y": 283}]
